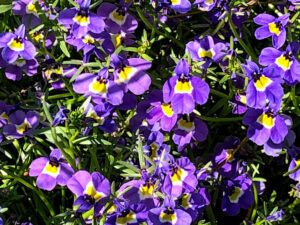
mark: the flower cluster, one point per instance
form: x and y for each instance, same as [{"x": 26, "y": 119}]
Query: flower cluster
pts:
[{"x": 152, "y": 115}]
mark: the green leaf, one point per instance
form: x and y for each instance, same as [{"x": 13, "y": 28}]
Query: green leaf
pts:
[
  {"x": 64, "y": 48},
  {"x": 4, "y": 8}
]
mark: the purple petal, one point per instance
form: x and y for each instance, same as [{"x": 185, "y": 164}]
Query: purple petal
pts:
[
  {"x": 263, "y": 19},
  {"x": 139, "y": 83},
  {"x": 29, "y": 51},
  {"x": 9, "y": 55},
  {"x": 78, "y": 182},
  {"x": 262, "y": 33},
  {"x": 66, "y": 172},
  {"x": 46, "y": 182},
  {"x": 269, "y": 56},
  {"x": 182, "y": 103},
  {"x": 200, "y": 90},
  {"x": 37, "y": 166}
]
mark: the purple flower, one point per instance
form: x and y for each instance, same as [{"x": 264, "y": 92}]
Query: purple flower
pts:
[
  {"x": 265, "y": 125},
  {"x": 99, "y": 87},
  {"x": 99, "y": 115},
  {"x": 134, "y": 214},
  {"x": 81, "y": 20},
  {"x": 286, "y": 61},
  {"x": 263, "y": 87},
  {"x": 237, "y": 193},
  {"x": 205, "y": 5},
  {"x": 194, "y": 203},
  {"x": 14, "y": 70},
  {"x": 276, "y": 216},
  {"x": 180, "y": 178},
  {"x": 190, "y": 130},
  {"x": 142, "y": 191},
  {"x": 181, "y": 6},
  {"x": 295, "y": 163},
  {"x": 224, "y": 160},
  {"x": 61, "y": 116},
  {"x": 163, "y": 114},
  {"x": 28, "y": 11},
  {"x": 169, "y": 214},
  {"x": 21, "y": 124},
  {"x": 206, "y": 51},
  {"x": 131, "y": 74},
  {"x": 91, "y": 190},
  {"x": 183, "y": 91},
  {"x": 50, "y": 171},
  {"x": 54, "y": 72},
  {"x": 239, "y": 104},
  {"x": 5, "y": 111},
  {"x": 273, "y": 149},
  {"x": 116, "y": 18},
  {"x": 271, "y": 26},
  {"x": 89, "y": 44},
  {"x": 15, "y": 45}
]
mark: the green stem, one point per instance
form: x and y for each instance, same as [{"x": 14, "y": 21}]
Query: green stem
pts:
[
  {"x": 218, "y": 93},
  {"x": 149, "y": 26},
  {"x": 218, "y": 120},
  {"x": 39, "y": 193},
  {"x": 292, "y": 171},
  {"x": 242, "y": 43},
  {"x": 294, "y": 100},
  {"x": 211, "y": 215},
  {"x": 54, "y": 135},
  {"x": 295, "y": 17},
  {"x": 255, "y": 202}
]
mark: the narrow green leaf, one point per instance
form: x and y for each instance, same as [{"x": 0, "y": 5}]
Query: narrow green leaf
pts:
[
  {"x": 64, "y": 48},
  {"x": 4, "y": 8}
]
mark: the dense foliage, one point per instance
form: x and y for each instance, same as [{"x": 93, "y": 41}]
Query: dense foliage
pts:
[{"x": 149, "y": 112}]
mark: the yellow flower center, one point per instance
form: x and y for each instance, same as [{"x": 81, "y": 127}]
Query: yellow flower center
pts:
[
  {"x": 93, "y": 115},
  {"x": 237, "y": 193},
  {"x": 186, "y": 125},
  {"x": 117, "y": 39},
  {"x": 125, "y": 219},
  {"x": 98, "y": 87},
  {"x": 262, "y": 83},
  {"x": 168, "y": 216},
  {"x": 146, "y": 191},
  {"x": 205, "y": 54},
  {"x": 51, "y": 169},
  {"x": 4, "y": 116},
  {"x": 183, "y": 87},
  {"x": 274, "y": 29},
  {"x": 23, "y": 127},
  {"x": 31, "y": 8},
  {"x": 284, "y": 62},
  {"x": 88, "y": 39},
  {"x": 38, "y": 37},
  {"x": 118, "y": 16},
  {"x": 178, "y": 176},
  {"x": 16, "y": 45},
  {"x": 90, "y": 191},
  {"x": 185, "y": 201},
  {"x": 266, "y": 120},
  {"x": 243, "y": 99},
  {"x": 175, "y": 2},
  {"x": 167, "y": 110},
  {"x": 154, "y": 148},
  {"x": 82, "y": 20},
  {"x": 126, "y": 73}
]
